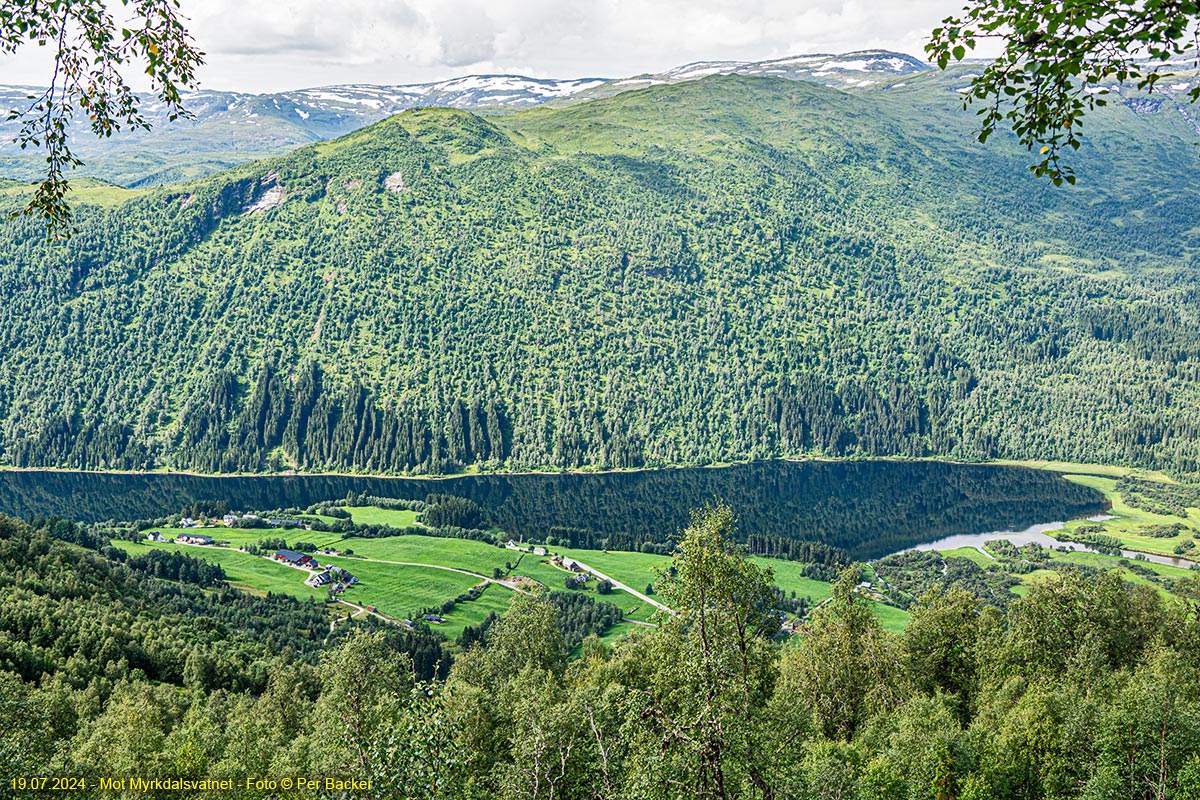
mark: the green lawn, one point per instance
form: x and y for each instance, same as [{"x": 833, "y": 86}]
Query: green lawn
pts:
[
  {"x": 621, "y": 630},
  {"x": 970, "y": 553},
  {"x": 240, "y": 537},
  {"x": 459, "y": 553},
  {"x": 1113, "y": 562},
  {"x": 788, "y": 578},
  {"x": 893, "y": 619},
  {"x": 370, "y": 515},
  {"x": 633, "y": 569},
  {"x": 637, "y": 570},
  {"x": 395, "y": 590},
  {"x": 634, "y": 607},
  {"x": 494, "y": 598},
  {"x": 1104, "y": 562},
  {"x": 400, "y": 591},
  {"x": 540, "y": 569}
]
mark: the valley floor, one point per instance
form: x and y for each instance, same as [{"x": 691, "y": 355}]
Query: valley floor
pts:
[{"x": 406, "y": 577}]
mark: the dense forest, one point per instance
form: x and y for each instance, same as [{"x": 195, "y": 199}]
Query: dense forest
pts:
[
  {"x": 1084, "y": 687},
  {"x": 729, "y": 268}
]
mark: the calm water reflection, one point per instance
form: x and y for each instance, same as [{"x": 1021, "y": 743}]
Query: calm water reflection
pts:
[{"x": 870, "y": 508}]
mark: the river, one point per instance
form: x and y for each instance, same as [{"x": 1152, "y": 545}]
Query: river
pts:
[{"x": 1038, "y": 534}]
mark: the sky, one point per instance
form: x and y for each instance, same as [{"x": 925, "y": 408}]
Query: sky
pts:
[{"x": 291, "y": 44}]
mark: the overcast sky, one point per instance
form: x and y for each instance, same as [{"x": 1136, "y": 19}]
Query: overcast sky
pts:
[{"x": 290, "y": 44}]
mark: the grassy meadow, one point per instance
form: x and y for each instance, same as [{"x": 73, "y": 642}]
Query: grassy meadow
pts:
[{"x": 1128, "y": 522}]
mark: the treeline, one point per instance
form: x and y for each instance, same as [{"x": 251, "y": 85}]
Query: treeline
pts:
[
  {"x": 175, "y": 566},
  {"x": 585, "y": 539},
  {"x": 633, "y": 300},
  {"x": 1082, "y": 689}
]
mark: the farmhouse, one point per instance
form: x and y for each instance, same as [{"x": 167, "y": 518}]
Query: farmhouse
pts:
[
  {"x": 319, "y": 579},
  {"x": 193, "y": 538},
  {"x": 295, "y": 559}
]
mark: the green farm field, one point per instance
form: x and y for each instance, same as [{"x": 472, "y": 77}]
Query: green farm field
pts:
[
  {"x": 893, "y": 619},
  {"x": 1128, "y": 521},
  {"x": 395, "y": 590},
  {"x": 473, "y": 556},
  {"x": 404, "y": 588},
  {"x": 240, "y": 537},
  {"x": 633, "y": 569},
  {"x": 401, "y": 591},
  {"x": 370, "y": 515},
  {"x": 638, "y": 569},
  {"x": 244, "y": 570}
]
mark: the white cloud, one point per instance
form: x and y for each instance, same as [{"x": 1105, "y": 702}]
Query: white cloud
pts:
[{"x": 296, "y": 43}]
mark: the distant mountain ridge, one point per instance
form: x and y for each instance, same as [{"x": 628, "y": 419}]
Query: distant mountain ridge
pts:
[
  {"x": 845, "y": 71},
  {"x": 229, "y": 128}
]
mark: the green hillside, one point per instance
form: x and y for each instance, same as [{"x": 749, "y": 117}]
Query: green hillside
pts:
[{"x": 715, "y": 270}]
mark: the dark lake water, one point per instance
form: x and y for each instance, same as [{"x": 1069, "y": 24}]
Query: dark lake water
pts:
[{"x": 869, "y": 508}]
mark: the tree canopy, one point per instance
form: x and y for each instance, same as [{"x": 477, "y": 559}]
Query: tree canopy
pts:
[
  {"x": 92, "y": 52},
  {"x": 1057, "y": 57}
]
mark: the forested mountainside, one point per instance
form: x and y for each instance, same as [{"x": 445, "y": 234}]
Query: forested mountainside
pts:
[{"x": 727, "y": 268}]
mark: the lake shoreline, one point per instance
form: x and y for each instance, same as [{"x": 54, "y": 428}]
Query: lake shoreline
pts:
[{"x": 866, "y": 506}]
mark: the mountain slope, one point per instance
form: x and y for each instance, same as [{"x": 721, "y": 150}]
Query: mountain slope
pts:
[
  {"x": 230, "y": 128},
  {"x": 724, "y": 268}
]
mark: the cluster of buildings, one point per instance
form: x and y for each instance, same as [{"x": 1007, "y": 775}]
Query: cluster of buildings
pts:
[
  {"x": 339, "y": 578},
  {"x": 230, "y": 520},
  {"x": 537, "y": 550},
  {"x": 566, "y": 563}
]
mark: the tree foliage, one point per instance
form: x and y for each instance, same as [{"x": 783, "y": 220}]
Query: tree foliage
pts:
[
  {"x": 91, "y": 53},
  {"x": 1083, "y": 689},
  {"x": 1058, "y": 60}
]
